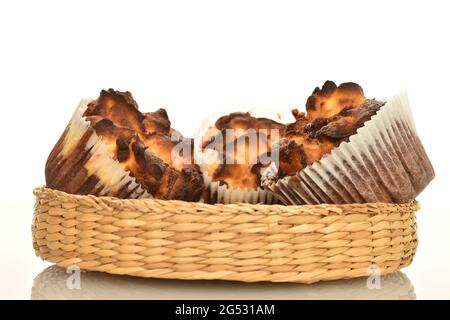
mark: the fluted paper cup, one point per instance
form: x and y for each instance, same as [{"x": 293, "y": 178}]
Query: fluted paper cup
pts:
[
  {"x": 221, "y": 193},
  {"x": 80, "y": 163},
  {"x": 383, "y": 162}
]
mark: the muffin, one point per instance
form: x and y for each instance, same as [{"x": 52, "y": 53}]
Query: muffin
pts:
[
  {"x": 233, "y": 152},
  {"x": 349, "y": 149},
  {"x": 110, "y": 148}
]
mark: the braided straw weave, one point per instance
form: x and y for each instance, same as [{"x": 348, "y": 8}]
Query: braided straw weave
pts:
[{"x": 245, "y": 242}]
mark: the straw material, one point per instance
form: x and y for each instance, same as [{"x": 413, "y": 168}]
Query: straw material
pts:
[{"x": 244, "y": 242}]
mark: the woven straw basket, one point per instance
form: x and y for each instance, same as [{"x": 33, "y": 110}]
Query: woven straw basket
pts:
[{"x": 244, "y": 242}]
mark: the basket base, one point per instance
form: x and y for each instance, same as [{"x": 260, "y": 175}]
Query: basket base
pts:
[{"x": 242, "y": 242}]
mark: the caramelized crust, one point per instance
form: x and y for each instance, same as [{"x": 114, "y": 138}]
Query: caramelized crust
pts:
[
  {"x": 157, "y": 121},
  {"x": 334, "y": 113},
  {"x": 240, "y": 139},
  {"x": 331, "y": 99},
  {"x": 298, "y": 151},
  {"x": 142, "y": 143},
  {"x": 119, "y": 107},
  {"x": 345, "y": 123},
  {"x": 238, "y": 123}
]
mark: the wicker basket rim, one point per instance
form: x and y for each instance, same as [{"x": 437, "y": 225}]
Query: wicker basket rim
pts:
[{"x": 110, "y": 203}]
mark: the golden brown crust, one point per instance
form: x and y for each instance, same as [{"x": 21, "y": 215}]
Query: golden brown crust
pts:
[
  {"x": 329, "y": 100},
  {"x": 119, "y": 107},
  {"x": 345, "y": 123},
  {"x": 157, "y": 121},
  {"x": 142, "y": 143},
  {"x": 240, "y": 168},
  {"x": 334, "y": 113}
]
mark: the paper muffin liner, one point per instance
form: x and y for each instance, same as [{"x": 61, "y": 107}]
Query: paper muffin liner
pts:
[
  {"x": 383, "y": 162},
  {"x": 80, "y": 163},
  {"x": 221, "y": 193},
  {"x": 218, "y": 193}
]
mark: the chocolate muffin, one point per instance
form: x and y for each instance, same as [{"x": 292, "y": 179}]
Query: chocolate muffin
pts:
[
  {"x": 349, "y": 149},
  {"x": 110, "y": 148}
]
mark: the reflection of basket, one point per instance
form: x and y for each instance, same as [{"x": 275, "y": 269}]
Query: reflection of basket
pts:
[
  {"x": 57, "y": 283},
  {"x": 245, "y": 242}
]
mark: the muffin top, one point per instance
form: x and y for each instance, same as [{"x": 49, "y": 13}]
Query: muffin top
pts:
[
  {"x": 240, "y": 140},
  {"x": 146, "y": 146},
  {"x": 333, "y": 114},
  {"x": 250, "y": 149}
]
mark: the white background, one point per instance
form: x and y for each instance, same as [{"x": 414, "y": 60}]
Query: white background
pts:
[{"x": 193, "y": 57}]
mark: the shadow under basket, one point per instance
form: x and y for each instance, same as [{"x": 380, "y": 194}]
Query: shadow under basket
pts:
[{"x": 243, "y": 242}]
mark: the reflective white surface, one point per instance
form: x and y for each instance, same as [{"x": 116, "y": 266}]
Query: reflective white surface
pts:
[
  {"x": 24, "y": 276},
  {"x": 195, "y": 57},
  {"x": 57, "y": 283}
]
